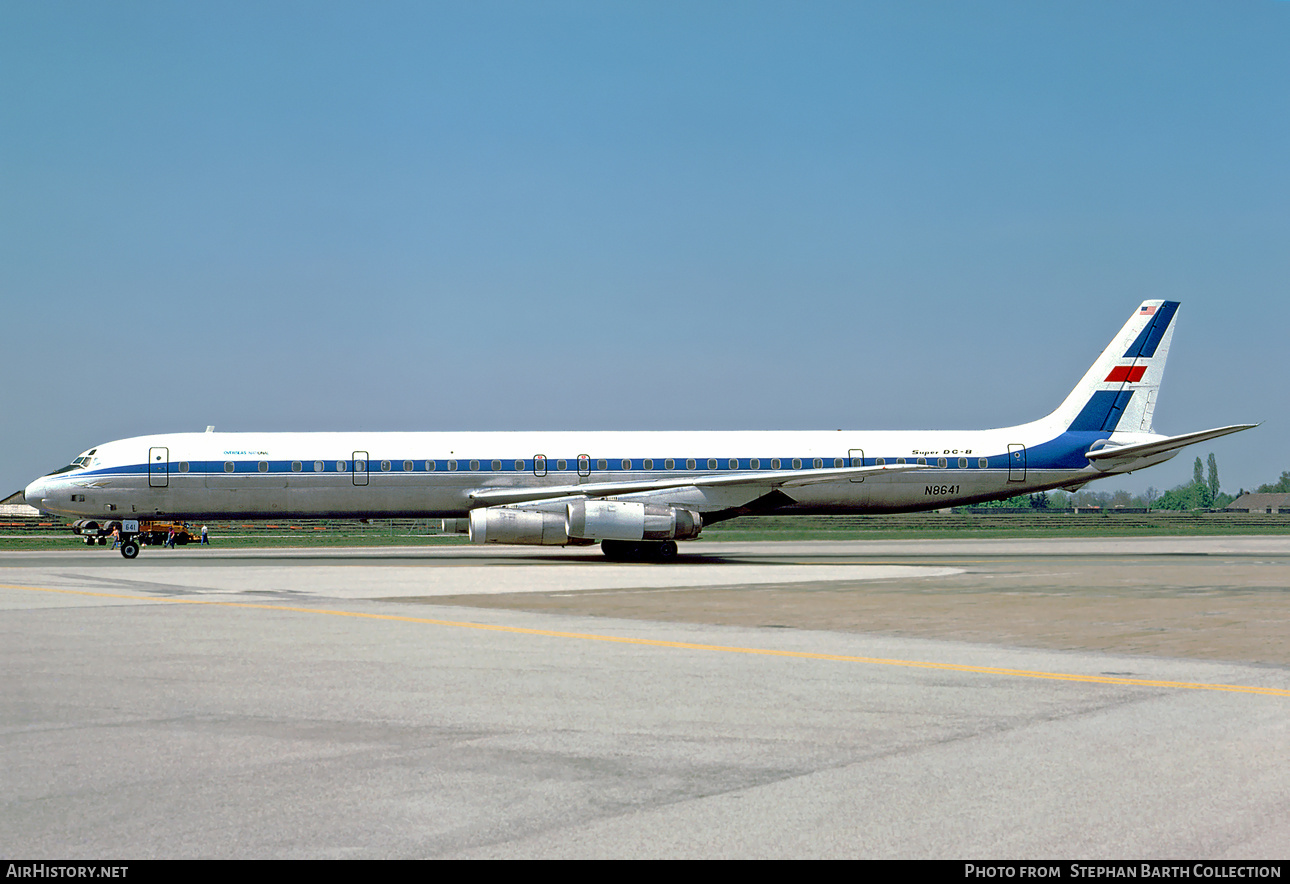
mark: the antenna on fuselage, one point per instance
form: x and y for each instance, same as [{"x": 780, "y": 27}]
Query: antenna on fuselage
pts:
[{"x": 211, "y": 428}]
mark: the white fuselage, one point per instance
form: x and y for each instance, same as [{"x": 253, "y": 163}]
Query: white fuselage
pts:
[{"x": 360, "y": 475}]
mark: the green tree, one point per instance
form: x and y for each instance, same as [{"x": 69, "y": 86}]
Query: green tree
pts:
[
  {"x": 1282, "y": 487},
  {"x": 1213, "y": 477},
  {"x": 1198, "y": 473}
]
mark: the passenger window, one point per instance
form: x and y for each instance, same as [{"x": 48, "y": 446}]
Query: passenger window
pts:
[
  {"x": 962, "y": 463},
  {"x": 983, "y": 463},
  {"x": 474, "y": 466},
  {"x": 879, "y": 461},
  {"x": 818, "y": 462},
  {"x": 689, "y": 463},
  {"x": 296, "y": 466},
  {"x": 602, "y": 464},
  {"x": 837, "y": 462},
  {"x": 519, "y": 466},
  {"x": 452, "y": 466},
  {"x": 754, "y": 464},
  {"x": 341, "y": 466},
  {"x": 712, "y": 463},
  {"x": 857, "y": 461},
  {"x": 797, "y": 463},
  {"x": 319, "y": 466},
  {"x": 922, "y": 461},
  {"x": 733, "y": 463},
  {"x": 669, "y": 464},
  {"x": 647, "y": 463},
  {"x": 627, "y": 464},
  {"x": 900, "y": 460},
  {"x": 430, "y": 465},
  {"x": 407, "y": 466},
  {"x": 774, "y": 463},
  {"x": 940, "y": 461},
  {"x": 183, "y": 466},
  {"x": 496, "y": 465},
  {"x": 385, "y": 466},
  {"x": 562, "y": 465},
  {"x": 228, "y": 466}
]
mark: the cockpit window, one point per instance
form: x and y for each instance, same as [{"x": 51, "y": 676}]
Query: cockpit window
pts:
[{"x": 79, "y": 464}]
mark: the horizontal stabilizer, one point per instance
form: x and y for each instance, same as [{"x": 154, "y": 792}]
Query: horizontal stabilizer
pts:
[
  {"x": 775, "y": 479},
  {"x": 1113, "y": 454}
]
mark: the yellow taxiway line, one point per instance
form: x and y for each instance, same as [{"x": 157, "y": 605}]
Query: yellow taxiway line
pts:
[{"x": 690, "y": 646}]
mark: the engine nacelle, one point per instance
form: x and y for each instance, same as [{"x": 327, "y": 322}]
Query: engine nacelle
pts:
[
  {"x": 626, "y": 520},
  {"x": 454, "y": 526},
  {"x": 499, "y": 524}
]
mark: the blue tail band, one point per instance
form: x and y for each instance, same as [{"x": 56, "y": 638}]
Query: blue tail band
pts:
[
  {"x": 1149, "y": 338},
  {"x": 1102, "y": 411}
]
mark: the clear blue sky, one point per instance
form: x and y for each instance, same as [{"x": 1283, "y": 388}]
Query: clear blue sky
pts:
[{"x": 653, "y": 215}]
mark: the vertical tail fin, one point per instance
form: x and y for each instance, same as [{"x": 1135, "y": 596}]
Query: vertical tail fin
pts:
[{"x": 1119, "y": 391}]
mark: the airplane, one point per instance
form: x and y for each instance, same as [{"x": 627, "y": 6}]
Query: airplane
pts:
[{"x": 636, "y": 493}]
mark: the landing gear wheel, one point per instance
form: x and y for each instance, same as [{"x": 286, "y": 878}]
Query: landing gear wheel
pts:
[
  {"x": 620, "y": 550},
  {"x": 638, "y": 550},
  {"x": 129, "y": 548}
]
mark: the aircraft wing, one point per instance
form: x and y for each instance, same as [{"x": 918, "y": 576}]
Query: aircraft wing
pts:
[
  {"x": 769, "y": 480},
  {"x": 1111, "y": 455}
]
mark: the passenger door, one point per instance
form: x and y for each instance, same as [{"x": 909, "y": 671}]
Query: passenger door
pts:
[{"x": 158, "y": 467}]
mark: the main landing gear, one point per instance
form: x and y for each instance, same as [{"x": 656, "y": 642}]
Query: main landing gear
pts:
[
  {"x": 639, "y": 550},
  {"x": 129, "y": 547}
]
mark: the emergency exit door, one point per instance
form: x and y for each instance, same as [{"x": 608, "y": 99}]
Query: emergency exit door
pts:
[
  {"x": 1016, "y": 463},
  {"x": 855, "y": 458}
]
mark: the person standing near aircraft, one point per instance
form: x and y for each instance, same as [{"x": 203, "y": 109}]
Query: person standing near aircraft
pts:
[{"x": 205, "y": 539}]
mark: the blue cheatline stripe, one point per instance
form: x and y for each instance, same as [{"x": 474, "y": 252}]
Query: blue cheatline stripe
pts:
[
  {"x": 1149, "y": 338},
  {"x": 1066, "y": 452},
  {"x": 744, "y": 464},
  {"x": 1102, "y": 411}
]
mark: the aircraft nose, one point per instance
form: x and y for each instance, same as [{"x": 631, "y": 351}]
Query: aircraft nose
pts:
[{"x": 34, "y": 494}]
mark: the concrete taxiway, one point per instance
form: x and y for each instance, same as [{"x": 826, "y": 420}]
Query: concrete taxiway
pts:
[{"x": 967, "y": 699}]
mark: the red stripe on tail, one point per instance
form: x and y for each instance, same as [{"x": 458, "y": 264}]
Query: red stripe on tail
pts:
[{"x": 1130, "y": 373}]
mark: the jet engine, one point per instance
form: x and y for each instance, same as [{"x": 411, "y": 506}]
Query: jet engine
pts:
[
  {"x": 626, "y": 520},
  {"x": 499, "y": 524},
  {"x": 583, "y": 522}
]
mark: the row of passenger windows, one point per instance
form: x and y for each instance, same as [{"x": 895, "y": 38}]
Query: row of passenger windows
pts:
[{"x": 539, "y": 464}]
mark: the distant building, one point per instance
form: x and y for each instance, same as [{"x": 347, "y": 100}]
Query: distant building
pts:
[
  {"x": 16, "y": 505},
  {"x": 1260, "y": 503}
]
